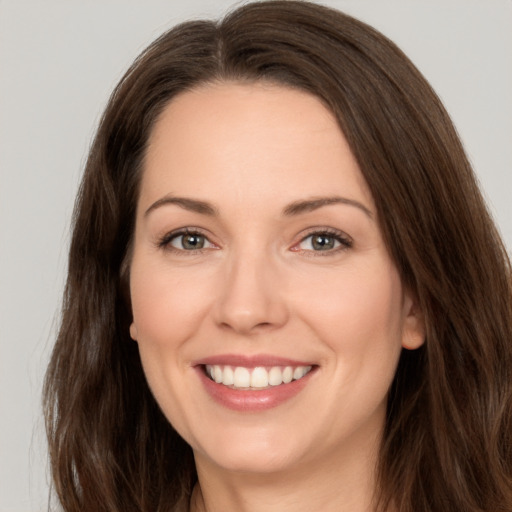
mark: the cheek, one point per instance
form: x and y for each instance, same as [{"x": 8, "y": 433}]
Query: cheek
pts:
[
  {"x": 358, "y": 312},
  {"x": 358, "y": 317},
  {"x": 167, "y": 308},
  {"x": 166, "y": 304}
]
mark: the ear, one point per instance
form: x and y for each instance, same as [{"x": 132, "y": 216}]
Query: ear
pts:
[
  {"x": 413, "y": 330},
  {"x": 133, "y": 331}
]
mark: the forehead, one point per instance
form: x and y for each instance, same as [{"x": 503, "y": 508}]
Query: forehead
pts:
[{"x": 254, "y": 140}]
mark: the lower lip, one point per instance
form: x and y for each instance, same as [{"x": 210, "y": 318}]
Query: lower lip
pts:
[{"x": 252, "y": 401}]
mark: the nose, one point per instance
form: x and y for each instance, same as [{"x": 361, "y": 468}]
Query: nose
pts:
[{"x": 251, "y": 298}]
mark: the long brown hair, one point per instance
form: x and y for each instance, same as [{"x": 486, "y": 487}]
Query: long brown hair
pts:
[{"x": 448, "y": 438}]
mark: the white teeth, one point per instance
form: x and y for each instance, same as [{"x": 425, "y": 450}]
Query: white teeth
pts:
[
  {"x": 287, "y": 374},
  {"x": 275, "y": 376},
  {"x": 259, "y": 378},
  {"x": 241, "y": 377},
  {"x": 298, "y": 373},
  {"x": 255, "y": 378},
  {"x": 228, "y": 377}
]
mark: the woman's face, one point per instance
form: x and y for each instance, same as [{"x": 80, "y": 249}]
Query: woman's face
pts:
[{"x": 258, "y": 259}]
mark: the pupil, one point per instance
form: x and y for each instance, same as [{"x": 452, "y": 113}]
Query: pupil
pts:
[
  {"x": 193, "y": 242},
  {"x": 323, "y": 242}
]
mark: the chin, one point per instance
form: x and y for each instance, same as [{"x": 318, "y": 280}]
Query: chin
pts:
[
  {"x": 253, "y": 461},
  {"x": 258, "y": 452}
]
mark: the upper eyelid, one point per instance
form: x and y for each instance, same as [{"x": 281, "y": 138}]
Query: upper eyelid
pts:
[
  {"x": 326, "y": 231},
  {"x": 187, "y": 230}
]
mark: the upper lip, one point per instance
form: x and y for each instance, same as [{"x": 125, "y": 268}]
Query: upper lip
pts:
[{"x": 249, "y": 361}]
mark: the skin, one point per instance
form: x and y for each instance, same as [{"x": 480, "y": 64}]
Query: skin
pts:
[{"x": 259, "y": 286}]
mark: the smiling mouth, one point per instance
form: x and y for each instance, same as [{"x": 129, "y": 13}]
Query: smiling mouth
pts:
[{"x": 257, "y": 378}]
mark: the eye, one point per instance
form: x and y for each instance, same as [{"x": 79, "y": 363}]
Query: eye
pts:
[
  {"x": 324, "y": 241},
  {"x": 186, "y": 241},
  {"x": 189, "y": 242}
]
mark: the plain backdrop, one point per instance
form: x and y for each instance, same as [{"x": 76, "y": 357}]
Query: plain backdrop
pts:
[{"x": 59, "y": 60}]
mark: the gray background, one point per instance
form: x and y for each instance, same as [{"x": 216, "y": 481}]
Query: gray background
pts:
[{"x": 59, "y": 61}]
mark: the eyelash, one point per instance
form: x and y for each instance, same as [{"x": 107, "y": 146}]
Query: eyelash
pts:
[
  {"x": 340, "y": 237},
  {"x": 165, "y": 241}
]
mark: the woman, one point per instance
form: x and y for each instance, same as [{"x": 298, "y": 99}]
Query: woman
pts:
[{"x": 284, "y": 287}]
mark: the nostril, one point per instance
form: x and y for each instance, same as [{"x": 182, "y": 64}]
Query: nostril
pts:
[
  {"x": 248, "y": 328},
  {"x": 263, "y": 325}
]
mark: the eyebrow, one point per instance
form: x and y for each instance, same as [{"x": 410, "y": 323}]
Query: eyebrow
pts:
[
  {"x": 299, "y": 207},
  {"x": 192, "y": 205},
  {"x": 295, "y": 208}
]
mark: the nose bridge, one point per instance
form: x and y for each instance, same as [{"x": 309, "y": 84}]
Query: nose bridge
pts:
[{"x": 251, "y": 297}]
